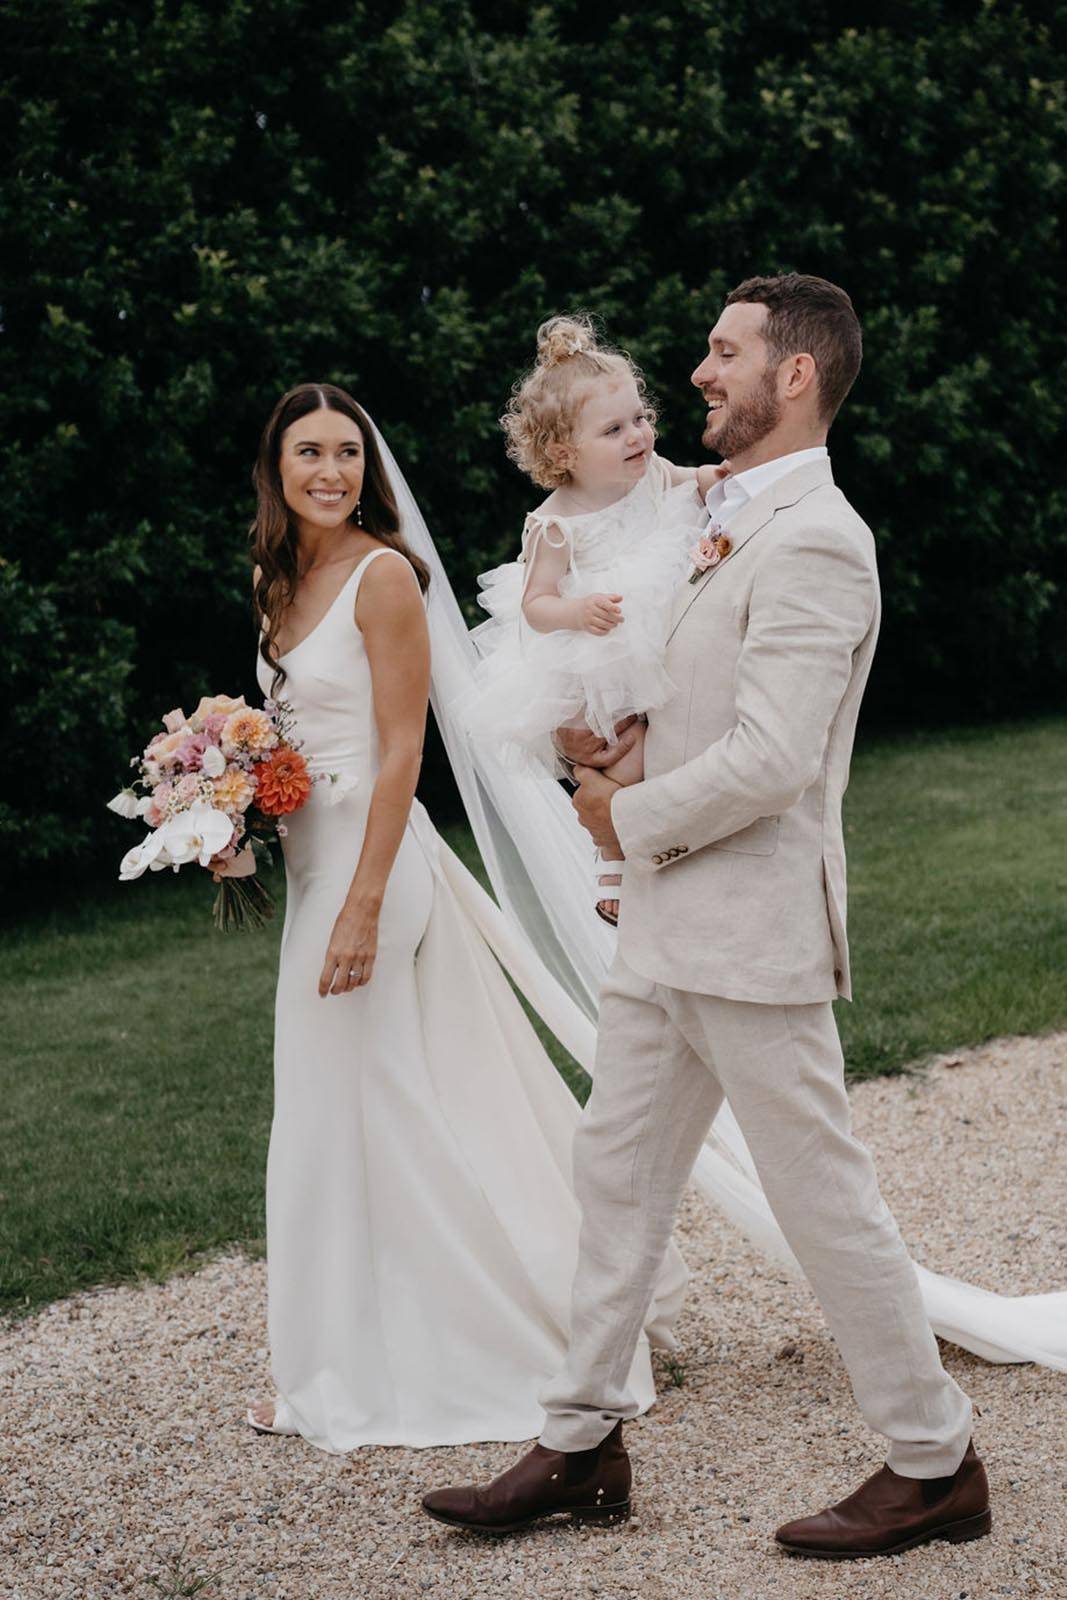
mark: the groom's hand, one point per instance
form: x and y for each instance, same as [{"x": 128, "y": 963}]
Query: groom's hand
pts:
[
  {"x": 592, "y": 801},
  {"x": 582, "y": 746}
]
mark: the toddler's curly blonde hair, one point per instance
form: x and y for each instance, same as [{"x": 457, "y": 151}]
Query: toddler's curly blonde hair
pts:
[{"x": 545, "y": 403}]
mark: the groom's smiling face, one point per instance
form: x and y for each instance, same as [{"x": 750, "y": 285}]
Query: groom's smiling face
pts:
[{"x": 739, "y": 382}]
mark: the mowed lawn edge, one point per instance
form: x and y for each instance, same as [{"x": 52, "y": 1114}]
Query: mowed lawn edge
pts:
[{"x": 135, "y": 1076}]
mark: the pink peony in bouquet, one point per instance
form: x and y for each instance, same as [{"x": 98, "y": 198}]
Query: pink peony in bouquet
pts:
[{"x": 213, "y": 788}]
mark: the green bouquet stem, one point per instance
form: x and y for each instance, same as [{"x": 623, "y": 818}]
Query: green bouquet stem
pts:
[{"x": 241, "y": 904}]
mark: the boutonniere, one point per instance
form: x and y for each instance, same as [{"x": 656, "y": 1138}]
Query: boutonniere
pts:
[{"x": 708, "y": 551}]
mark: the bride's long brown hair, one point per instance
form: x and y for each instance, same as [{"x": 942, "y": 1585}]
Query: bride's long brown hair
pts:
[{"x": 275, "y": 542}]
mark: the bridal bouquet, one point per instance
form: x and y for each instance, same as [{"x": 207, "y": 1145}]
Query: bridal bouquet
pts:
[{"x": 213, "y": 788}]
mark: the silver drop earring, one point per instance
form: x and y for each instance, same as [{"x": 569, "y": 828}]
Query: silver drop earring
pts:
[{"x": 359, "y": 513}]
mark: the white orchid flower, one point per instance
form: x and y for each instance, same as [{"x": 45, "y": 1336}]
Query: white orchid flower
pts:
[
  {"x": 125, "y": 803},
  {"x": 213, "y": 762},
  {"x": 143, "y": 855},
  {"x": 197, "y": 834}
]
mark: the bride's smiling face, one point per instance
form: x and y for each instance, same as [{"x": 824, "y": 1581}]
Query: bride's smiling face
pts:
[
  {"x": 321, "y": 464},
  {"x": 613, "y": 439}
]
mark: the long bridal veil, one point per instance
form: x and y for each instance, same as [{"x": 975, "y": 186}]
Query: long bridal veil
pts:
[{"x": 539, "y": 862}]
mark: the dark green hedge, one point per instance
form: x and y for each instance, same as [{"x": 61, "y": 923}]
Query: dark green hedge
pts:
[{"x": 203, "y": 204}]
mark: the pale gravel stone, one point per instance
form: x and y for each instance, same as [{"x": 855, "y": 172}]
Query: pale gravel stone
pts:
[{"x": 122, "y": 1413}]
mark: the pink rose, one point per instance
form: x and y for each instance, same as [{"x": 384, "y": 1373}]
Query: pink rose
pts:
[
  {"x": 704, "y": 554},
  {"x": 174, "y": 720}
]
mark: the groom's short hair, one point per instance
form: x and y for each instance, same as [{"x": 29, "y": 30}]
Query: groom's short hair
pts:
[{"x": 810, "y": 315}]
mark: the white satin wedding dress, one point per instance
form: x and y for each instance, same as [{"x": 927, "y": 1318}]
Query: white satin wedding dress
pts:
[{"x": 421, "y": 1228}]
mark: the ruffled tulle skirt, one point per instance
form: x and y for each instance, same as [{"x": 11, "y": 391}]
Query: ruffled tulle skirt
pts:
[{"x": 530, "y": 683}]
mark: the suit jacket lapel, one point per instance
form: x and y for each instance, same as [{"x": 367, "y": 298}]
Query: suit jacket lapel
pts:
[{"x": 755, "y": 516}]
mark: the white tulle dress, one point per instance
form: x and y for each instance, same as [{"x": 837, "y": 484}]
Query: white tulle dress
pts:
[
  {"x": 529, "y": 683},
  {"x": 422, "y": 1231}
]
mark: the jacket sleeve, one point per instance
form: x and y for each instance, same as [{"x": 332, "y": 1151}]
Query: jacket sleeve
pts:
[{"x": 813, "y": 603}]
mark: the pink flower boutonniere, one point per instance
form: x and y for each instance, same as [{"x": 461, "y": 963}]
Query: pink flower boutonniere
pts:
[{"x": 708, "y": 551}]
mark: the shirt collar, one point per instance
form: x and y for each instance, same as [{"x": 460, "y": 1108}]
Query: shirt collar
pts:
[{"x": 725, "y": 499}]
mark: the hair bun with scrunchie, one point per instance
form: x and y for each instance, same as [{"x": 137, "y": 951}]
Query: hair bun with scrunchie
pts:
[{"x": 560, "y": 338}]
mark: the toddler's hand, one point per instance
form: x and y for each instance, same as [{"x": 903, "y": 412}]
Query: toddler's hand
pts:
[
  {"x": 600, "y": 613},
  {"x": 708, "y": 477}
]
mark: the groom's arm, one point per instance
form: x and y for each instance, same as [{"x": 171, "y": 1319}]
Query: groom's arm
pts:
[{"x": 812, "y": 604}]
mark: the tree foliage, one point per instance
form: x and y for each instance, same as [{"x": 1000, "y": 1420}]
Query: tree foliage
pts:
[{"x": 204, "y": 204}]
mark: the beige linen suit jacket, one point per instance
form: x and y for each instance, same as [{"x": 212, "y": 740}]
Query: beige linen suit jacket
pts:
[{"x": 734, "y": 883}]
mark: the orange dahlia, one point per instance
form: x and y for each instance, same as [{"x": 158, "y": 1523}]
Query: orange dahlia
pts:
[{"x": 282, "y": 782}]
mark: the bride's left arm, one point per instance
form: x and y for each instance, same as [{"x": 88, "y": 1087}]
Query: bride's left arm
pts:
[{"x": 392, "y": 619}]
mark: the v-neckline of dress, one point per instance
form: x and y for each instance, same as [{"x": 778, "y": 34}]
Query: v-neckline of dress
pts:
[{"x": 329, "y": 609}]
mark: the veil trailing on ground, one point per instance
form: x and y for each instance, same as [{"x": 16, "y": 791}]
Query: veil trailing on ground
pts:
[{"x": 539, "y": 862}]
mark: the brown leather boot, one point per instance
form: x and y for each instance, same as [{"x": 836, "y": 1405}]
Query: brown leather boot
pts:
[
  {"x": 592, "y": 1485},
  {"x": 889, "y": 1513}
]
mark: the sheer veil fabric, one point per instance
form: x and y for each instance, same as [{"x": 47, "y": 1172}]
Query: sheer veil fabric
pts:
[{"x": 539, "y": 861}]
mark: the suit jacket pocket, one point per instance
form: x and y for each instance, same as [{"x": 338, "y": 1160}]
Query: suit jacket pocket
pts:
[{"x": 760, "y": 838}]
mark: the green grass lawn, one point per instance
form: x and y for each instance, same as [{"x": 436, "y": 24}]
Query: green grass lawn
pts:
[{"x": 135, "y": 1081}]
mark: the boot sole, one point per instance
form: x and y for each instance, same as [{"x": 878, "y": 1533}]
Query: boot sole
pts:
[
  {"x": 954, "y": 1532},
  {"x": 614, "y": 1513}
]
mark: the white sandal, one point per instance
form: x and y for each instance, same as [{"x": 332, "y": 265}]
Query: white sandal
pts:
[
  {"x": 603, "y": 892},
  {"x": 283, "y": 1421}
]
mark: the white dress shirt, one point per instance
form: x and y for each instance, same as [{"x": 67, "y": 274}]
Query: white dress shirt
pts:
[{"x": 724, "y": 500}]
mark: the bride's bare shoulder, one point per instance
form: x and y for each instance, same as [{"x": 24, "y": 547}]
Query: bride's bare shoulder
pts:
[{"x": 390, "y": 586}]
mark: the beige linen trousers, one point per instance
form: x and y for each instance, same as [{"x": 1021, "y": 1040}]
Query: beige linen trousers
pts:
[{"x": 732, "y": 946}]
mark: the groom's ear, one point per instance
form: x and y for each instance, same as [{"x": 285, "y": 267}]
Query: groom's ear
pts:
[{"x": 801, "y": 376}]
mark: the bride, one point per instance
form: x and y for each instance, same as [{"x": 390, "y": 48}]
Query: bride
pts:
[{"x": 421, "y": 1228}]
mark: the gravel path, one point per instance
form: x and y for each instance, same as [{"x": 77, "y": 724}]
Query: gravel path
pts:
[{"x": 124, "y": 1441}]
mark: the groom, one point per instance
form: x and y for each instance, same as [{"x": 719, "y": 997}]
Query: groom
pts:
[{"x": 731, "y": 949}]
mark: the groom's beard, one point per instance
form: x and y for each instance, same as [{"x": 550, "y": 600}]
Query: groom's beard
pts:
[{"x": 749, "y": 420}]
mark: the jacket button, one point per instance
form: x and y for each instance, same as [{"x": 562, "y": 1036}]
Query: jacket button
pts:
[
  {"x": 658, "y": 860},
  {"x": 682, "y": 848}
]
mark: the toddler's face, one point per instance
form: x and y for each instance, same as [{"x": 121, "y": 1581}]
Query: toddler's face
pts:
[{"x": 613, "y": 437}]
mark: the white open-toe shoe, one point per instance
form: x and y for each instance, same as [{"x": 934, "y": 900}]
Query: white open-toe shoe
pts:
[
  {"x": 603, "y": 892},
  {"x": 283, "y": 1421}
]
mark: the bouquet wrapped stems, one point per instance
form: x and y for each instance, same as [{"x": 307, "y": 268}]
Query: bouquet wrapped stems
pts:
[{"x": 241, "y": 904}]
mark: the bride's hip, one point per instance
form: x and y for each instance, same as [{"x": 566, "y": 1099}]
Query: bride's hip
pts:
[{"x": 320, "y": 863}]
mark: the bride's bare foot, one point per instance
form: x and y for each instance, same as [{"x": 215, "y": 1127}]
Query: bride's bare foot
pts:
[{"x": 263, "y": 1413}]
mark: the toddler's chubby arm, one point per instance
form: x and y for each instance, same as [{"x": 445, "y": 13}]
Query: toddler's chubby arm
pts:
[
  {"x": 705, "y": 477},
  {"x": 548, "y": 611}
]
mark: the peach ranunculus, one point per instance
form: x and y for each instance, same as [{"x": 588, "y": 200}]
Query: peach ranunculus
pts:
[
  {"x": 234, "y": 791},
  {"x": 212, "y": 705},
  {"x": 282, "y": 782},
  {"x": 248, "y": 732}
]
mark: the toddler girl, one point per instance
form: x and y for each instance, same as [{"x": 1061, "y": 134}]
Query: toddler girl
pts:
[{"x": 579, "y": 621}]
